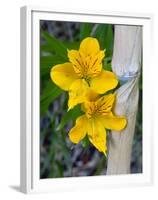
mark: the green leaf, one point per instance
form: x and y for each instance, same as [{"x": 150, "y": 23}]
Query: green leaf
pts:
[
  {"x": 46, "y": 48},
  {"x": 104, "y": 34},
  {"x": 107, "y": 63},
  {"x": 108, "y": 67},
  {"x": 49, "y": 93},
  {"x": 85, "y": 142},
  {"x": 70, "y": 115},
  {"x": 57, "y": 46},
  {"x": 45, "y": 70},
  {"x": 100, "y": 34},
  {"x": 109, "y": 42},
  {"x": 55, "y": 59},
  {"x": 47, "y": 62},
  {"x": 68, "y": 45},
  {"x": 86, "y": 29},
  {"x": 72, "y": 45}
]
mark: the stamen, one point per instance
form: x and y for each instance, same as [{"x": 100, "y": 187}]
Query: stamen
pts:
[
  {"x": 78, "y": 61},
  {"x": 82, "y": 63},
  {"x": 94, "y": 62}
]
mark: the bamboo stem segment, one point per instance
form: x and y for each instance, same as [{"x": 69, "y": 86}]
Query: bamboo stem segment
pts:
[{"x": 126, "y": 65}]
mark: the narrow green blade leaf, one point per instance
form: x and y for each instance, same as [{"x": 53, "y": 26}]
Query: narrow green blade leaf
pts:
[
  {"x": 86, "y": 29},
  {"x": 49, "y": 93},
  {"x": 109, "y": 42},
  {"x": 57, "y": 46},
  {"x": 107, "y": 63},
  {"x": 47, "y": 62},
  {"x": 85, "y": 142},
  {"x": 70, "y": 115},
  {"x": 67, "y": 44},
  {"x": 71, "y": 45},
  {"x": 51, "y": 59},
  {"x": 104, "y": 34},
  {"x": 46, "y": 48},
  {"x": 100, "y": 34}
]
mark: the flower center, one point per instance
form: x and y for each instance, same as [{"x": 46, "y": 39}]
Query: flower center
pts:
[
  {"x": 91, "y": 110},
  {"x": 101, "y": 107},
  {"x": 87, "y": 66},
  {"x": 87, "y": 79}
]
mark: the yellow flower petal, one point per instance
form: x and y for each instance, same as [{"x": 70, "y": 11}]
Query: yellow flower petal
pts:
[
  {"x": 97, "y": 58},
  {"x": 63, "y": 75},
  {"x": 72, "y": 55},
  {"x": 105, "y": 104},
  {"x": 78, "y": 132},
  {"x": 77, "y": 93},
  {"x": 103, "y": 82},
  {"x": 77, "y": 61},
  {"x": 100, "y": 107},
  {"x": 113, "y": 122},
  {"x": 97, "y": 134},
  {"x": 95, "y": 64},
  {"x": 92, "y": 95},
  {"x": 86, "y": 65},
  {"x": 89, "y": 46}
]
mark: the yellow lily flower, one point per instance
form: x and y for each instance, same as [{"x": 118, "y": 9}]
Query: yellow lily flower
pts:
[
  {"x": 84, "y": 71},
  {"x": 97, "y": 118}
]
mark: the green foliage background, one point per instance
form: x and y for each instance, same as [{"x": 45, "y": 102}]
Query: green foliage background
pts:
[{"x": 58, "y": 156}]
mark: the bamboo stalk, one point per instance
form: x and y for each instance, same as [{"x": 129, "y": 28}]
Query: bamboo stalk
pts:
[{"x": 126, "y": 65}]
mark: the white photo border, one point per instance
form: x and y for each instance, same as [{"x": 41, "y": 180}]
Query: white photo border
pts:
[{"x": 30, "y": 101}]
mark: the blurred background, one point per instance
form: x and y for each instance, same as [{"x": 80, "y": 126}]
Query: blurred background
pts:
[{"x": 58, "y": 156}]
